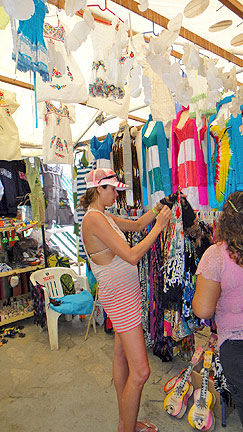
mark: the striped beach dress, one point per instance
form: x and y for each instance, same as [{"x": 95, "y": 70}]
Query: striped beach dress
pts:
[{"x": 119, "y": 288}]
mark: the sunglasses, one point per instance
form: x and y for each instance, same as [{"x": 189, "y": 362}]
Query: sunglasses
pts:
[{"x": 107, "y": 177}]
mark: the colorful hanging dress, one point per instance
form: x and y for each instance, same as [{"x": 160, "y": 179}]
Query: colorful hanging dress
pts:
[
  {"x": 224, "y": 163},
  {"x": 30, "y": 52},
  {"x": 154, "y": 150},
  {"x": 188, "y": 164}
]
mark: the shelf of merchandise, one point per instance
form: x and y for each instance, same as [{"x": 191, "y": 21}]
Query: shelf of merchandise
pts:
[
  {"x": 10, "y": 228},
  {"x": 16, "y": 318},
  {"x": 18, "y": 270},
  {"x": 18, "y": 227}
]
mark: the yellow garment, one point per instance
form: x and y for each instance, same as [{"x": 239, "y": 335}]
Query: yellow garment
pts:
[
  {"x": 9, "y": 135},
  {"x": 4, "y": 18},
  {"x": 222, "y": 163}
]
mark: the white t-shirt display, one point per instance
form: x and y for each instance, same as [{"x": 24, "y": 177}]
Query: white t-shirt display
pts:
[{"x": 57, "y": 135}]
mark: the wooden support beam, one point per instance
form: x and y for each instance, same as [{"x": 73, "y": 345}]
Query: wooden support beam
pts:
[
  {"x": 28, "y": 86},
  {"x": 235, "y": 6},
  {"x": 186, "y": 34},
  {"x": 18, "y": 83}
]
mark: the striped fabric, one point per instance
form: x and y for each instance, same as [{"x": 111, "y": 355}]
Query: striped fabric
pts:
[
  {"x": 79, "y": 188},
  {"x": 119, "y": 289}
]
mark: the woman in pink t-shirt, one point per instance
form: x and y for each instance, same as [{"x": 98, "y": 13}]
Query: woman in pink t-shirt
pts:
[{"x": 220, "y": 290}]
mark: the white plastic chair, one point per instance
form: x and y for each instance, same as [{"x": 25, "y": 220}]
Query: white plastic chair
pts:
[{"x": 49, "y": 279}]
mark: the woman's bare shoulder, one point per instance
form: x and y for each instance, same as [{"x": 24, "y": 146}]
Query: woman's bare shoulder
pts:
[{"x": 93, "y": 218}]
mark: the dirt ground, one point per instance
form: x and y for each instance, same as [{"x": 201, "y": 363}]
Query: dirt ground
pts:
[{"x": 71, "y": 390}]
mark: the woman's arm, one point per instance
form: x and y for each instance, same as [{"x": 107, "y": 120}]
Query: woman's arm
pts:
[
  {"x": 139, "y": 224},
  {"x": 96, "y": 225},
  {"x": 206, "y": 297}
]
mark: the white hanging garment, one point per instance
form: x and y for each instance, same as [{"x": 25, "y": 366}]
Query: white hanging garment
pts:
[
  {"x": 57, "y": 135},
  {"x": 106, "y": 89},
  {"x": 67, "y": 82},
  {"x": 9, "y": 134}
]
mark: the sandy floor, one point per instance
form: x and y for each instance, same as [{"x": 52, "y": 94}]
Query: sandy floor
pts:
[{"x": 72, "y": 389}]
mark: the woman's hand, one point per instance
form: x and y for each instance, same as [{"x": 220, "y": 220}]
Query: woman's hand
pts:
[{"x": 163, "y": 217}]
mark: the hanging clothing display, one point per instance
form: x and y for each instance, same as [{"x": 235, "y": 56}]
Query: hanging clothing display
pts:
[
  {"x": 57, "y": 203},
  {"x": 101, "y": 150},
  {"x": 175, "y": 265},
  {"x": 30, "y": 52},
  {"x": 124, "y": 132},
  {"x": 188, "y": 160},
  {"x": 67, "y": 83},
  {"x": 36, "y": 196},
  {"x": 79, "y": 188},
  {"x": 23, "y": 188},
  {"x": 16, "y": 187},
  {"x": 162, "y": 105},
  {"x": 107, "y": 89},
  {"x": 155, "y": 162},
  {"x": 122, "y": 166},
  {"x": 57, "y": 135},
  {"x": 8, "y": 203},
  {"x": 134, "y": 238},
  {"x": 224, "y": 170},
  {"x": 9, "y": 135},
  {"x": 200, "y": 105}
]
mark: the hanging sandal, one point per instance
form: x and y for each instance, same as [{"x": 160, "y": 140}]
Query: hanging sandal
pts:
[{"x": 147, "y": 426}]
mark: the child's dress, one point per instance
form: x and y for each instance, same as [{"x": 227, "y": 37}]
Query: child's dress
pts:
[
  {"x": 67, "y": 82},
  {"x": 107, "y": 90},
  {"x": 57, "y": 135},
  {"x": 30, "y": 51}
]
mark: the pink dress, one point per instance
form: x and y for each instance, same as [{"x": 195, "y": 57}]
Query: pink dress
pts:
[
  {"x": 188, "y": 162},
  {"x": 119, "y": 287},
  {"x": 217, "y": 265}
]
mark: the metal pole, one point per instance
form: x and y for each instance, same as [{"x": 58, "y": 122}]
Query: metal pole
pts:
[
  {"x": 44, "y": 244},
  {"x": 92, "y": 121}
]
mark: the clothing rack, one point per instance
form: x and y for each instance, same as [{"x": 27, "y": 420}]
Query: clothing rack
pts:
[{"x": 208, "y": 215}]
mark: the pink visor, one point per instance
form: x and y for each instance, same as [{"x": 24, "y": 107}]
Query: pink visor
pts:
[{"x": 102, "y": 177}]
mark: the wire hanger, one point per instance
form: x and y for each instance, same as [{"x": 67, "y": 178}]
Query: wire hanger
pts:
[
  {"x": 151, "y": 31},
  {"x": 105, "y": 9}
]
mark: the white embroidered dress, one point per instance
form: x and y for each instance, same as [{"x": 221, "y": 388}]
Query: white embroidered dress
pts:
[
  {"x": 67, "y": 82},
  {"x": 107, "y": 89},
  {"x": 57, "y": 135}
]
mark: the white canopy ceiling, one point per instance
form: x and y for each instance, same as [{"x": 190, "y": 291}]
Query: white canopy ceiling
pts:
[{"x": 24, "y": 116}]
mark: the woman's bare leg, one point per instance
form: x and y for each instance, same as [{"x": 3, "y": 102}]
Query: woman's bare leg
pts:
[
  {"x": 134, "y": 348},
  {"x": 120, "y": 375}
]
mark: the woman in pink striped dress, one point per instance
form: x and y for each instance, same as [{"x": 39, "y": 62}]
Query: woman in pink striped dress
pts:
[{"x": 113, "y": 263}]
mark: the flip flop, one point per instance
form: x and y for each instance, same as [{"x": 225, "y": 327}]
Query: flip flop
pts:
[{"x": 147, "y": 426}]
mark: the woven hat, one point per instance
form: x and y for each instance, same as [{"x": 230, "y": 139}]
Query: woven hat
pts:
[{"x": 102, "y": 177}]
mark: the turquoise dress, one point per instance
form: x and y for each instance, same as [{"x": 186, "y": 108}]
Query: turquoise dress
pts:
[
  {"x": 30, "y": 51},
  {"x": 154, "y": 151}
]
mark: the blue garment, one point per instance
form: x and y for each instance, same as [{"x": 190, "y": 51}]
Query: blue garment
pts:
[
  {"x": 160, "y": 177},
  {"x": 76, "y": 304},
  {"x": 101, "y": 149},
  {"x": 213, "y": 202},
  {"x": 30, "y": 46},
  {"x": 236, "y": 144}
]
